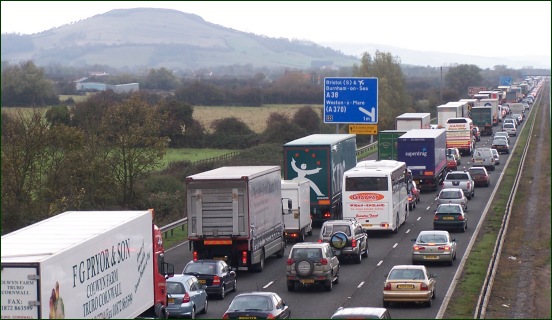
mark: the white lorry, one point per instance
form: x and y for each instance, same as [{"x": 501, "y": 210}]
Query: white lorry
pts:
[
  {"x": 411, "y": 120},
  {"x": 85, "y": 264},
  {"x": 235, "y": 214},
  {"x": 447, "y": 111},
  {"x": 297, "y": 219}
]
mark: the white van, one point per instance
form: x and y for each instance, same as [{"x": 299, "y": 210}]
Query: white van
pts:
[{"x": 483, "y": 157}]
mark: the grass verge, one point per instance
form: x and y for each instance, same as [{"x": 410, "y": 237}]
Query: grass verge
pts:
[{"x": 467, "y": 291}]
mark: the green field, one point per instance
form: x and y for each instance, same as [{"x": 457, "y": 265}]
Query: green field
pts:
[{"x": 192, "y": 155}]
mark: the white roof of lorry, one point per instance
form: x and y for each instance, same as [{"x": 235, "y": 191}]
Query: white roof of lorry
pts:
[
  {"x": 48, "y": 237},
  {"x": 233, "y": 173}
]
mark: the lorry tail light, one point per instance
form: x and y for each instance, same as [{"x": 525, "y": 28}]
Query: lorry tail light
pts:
[
  {"x": 244, "y": 257},
  {"x": 195, "y": 255},
  {"x": 289, "y": 262},
  {"x": 324, "y": 261},
  {"x": 186, "y": 298},
  {"x": 354, "y": 243},
  {"x": 216, "y": 281},
  {"x": 327, "y": 215}
]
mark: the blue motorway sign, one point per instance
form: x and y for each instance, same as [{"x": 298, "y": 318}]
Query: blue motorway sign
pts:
[
  {"x": 351, "y": 100},
  {"x": 505, "y": 81}
]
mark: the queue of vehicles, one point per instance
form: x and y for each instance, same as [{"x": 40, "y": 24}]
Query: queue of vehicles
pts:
[{"x": 236, "y": 219}]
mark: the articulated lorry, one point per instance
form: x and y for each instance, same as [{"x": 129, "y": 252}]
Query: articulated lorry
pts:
[
  {"x": 493, "y": 103},
  {"x": 482, "y": 118},
  {"x": 85, "y": 264},
  {"x": 450, "y": 110},
  {"x": 235, "y": 214},
  {"x": 297, "y": 219},
  {"x": 460, "y": 135},
  {"x": 407, "y": 121},
  {"x": 423, "y": 151},
  {"x": 387, "y": 144},
  {"x": 322, "y": 159}
]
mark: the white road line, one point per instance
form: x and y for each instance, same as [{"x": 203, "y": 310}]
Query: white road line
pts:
[
  {"x": 379, "y": 263},
  {"x": 407, "y": 231},
  {"x": 428, "y": 208},
  {"x": 268, "y": 284},
  {"x": 360, "y": 284},
  {"x": 419, "y": 218},
  {"x": 395, "y": 245}
]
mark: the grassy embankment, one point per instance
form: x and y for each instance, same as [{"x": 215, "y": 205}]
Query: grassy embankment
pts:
[{"x": 468, "y": 289}]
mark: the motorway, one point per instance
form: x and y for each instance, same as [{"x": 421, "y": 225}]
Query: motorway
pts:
[{"x": 362, "y": 284}]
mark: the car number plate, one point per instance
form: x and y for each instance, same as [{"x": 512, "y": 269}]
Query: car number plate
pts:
[
  {"x": 220, "y": 258},
  {"x": 448, "y": 218},
  {"x": 247, "y": 318},
  {"x": 171, "y": 300},
  {"x": 405, "y": 286},
  {"x": 307, "y": 281},
  {"x": 431, "y": 257},
  {"x": 202, "y": 281}
]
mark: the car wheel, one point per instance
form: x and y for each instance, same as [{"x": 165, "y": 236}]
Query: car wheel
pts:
[
  {"x": 463, "y": 228},
  {"x": 450, "y": 262},
  {"x": 235, "y": 286},
  {"x": 358, "y": 257},
  {"x": 280, "y": 253},
  {"x": 329, "y": 284},
  {"x": 397, "y": 224},
  {"x": 454, "y": 257},
  {"x": 365, "y": 253},
  {"x": 428, "y": 303},
  {"x": 222, "y": 292},
  {"x": 291, "y": 286},
  {"x": 302, "y": 236},
  {"x": 205, "y": 307},
  {"x": 192, "y": 314}
]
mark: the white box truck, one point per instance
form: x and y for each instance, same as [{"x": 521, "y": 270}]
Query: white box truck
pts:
[
  {"x": 297, "y": 219},
  {"x": 85, "y": 264},
  {"x": 413, "y": 120},
  {"x": 447, "y": 111},
  {"x": 235, "y": 214}
]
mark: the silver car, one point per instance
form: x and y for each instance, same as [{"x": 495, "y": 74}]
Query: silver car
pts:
[
  {"x": 452, "y": 195},
  {"x": 496, "y": 156},
  {"x": 434, "y": 246}
]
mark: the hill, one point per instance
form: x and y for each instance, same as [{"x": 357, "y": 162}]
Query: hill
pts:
[{"x": 154, "y": 38}]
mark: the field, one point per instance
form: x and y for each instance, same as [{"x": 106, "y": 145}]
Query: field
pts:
[{"x": 254, "y": 117}]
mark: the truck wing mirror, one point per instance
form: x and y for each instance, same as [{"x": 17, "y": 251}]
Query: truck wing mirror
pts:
[{"x": 168, "y": 269}]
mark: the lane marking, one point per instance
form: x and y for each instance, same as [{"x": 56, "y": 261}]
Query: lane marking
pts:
[
  {"x": 379, "y": 263},
  {"x": 395, "y": 245},
  {"x": 419, "y": 218},
  {"x": 360, "y": 284},
  {"x": 268, "y": 284},
  {"x": 407, "y": 231}
]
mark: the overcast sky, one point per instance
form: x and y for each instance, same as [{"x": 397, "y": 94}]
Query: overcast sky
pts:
[{"x": 483, "y": 28}]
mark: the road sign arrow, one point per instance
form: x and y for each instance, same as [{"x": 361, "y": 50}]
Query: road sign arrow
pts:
[{"x": 371, "y": 114}]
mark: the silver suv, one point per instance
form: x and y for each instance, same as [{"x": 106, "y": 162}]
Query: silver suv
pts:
[
  {"x": 310, "y": 263},
  {"x": 346, "y": 237}
]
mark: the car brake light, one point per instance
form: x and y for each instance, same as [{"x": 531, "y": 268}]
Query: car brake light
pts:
[
  {"x": 289, "y": 262},
  {"x": 423, "y": 286},
  {"x": 435, "y": 217},
  {"x": 445, "y": 248},
  {"x": 270, "y": 316},
  {"x": 324, "y": 261},
  {"x": 216, "y": 281},
  {"x": 354, "y": 243},
  {"x": 387, "y": 286},
  {"x": 225, "y": 316},
  {"x": 417, "y": 248},
  {"x": 244, "y": 257},
  {"x": 319, "y": 241},
  {"x": 195, "y": 255},
  {"x": 186, "y": 298},
  {"x": 461, "y": 218}
]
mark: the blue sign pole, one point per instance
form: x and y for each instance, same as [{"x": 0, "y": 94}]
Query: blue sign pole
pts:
[{"x": 351, "y": 100}]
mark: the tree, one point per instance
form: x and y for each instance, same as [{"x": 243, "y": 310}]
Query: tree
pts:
[
  {"x": 25, "y": 85},
  {"x": 307, "y": 119},
  {"x": 460, "y": 77},
  {"x": 58, "y": 115},
  {"x": 130, "y": 134},
  {"x": 280, "y": 129},
  {"x": 393, "y": 99},
  {"x": 162, "y": 79},
  {"x": 179, "y": 121}
]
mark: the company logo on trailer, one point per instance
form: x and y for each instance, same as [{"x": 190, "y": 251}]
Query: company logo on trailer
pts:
[{"x": 366, "y": 196}]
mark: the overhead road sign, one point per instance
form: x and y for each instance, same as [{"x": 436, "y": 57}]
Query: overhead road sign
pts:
[{"x": 351, "y": 100}]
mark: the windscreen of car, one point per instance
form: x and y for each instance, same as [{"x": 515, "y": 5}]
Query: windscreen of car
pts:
[
  {"x": 446, "y": 209},
  {"x": 366, "y": 184},
  {"x": 457, "y": 176},
  {"x": 478, "y": 172},
  {"x": 251, "y": 302},
  {"x": 333, "y": 228},
  {"x": 175, "y": 288},
  {"x": 451, "y": 194},
  {"x": 201, "y": 268},
  {"x": 307, "y": 253},
  {"x": 432, "y": 238},
  {"x": 401, "y": 274}
]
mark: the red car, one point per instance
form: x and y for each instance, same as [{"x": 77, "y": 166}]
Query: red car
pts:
[
  {"x": 480, "y": 176},
  {"x": 451, "y": 163},
  {"x": 414, "y": 191}
]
